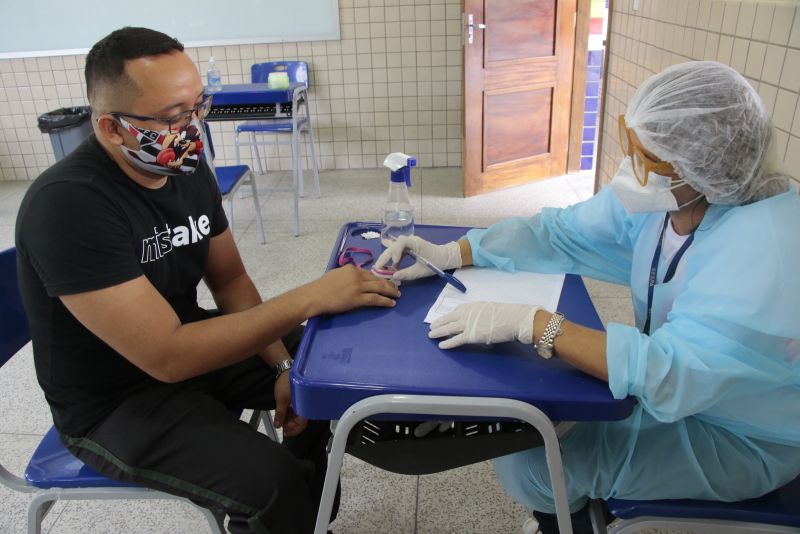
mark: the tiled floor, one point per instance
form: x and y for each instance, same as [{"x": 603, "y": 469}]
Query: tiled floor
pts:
[{"x": 464, "y": 501}]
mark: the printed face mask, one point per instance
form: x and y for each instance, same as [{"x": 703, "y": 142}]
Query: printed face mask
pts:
[
  {"x": 655, "y": 196},
  {"x": 164, "y": 152}
]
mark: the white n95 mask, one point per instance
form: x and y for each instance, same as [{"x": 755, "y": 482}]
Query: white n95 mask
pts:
[{"x": 655, "y": 196}]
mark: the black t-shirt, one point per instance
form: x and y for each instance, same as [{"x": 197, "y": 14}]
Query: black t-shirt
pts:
[{"x": 84, "y": 225}]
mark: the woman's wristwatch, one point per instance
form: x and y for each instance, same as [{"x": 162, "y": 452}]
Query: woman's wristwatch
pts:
[
  {"x": 544, "y": 347},
  {"x": 282, "y": 366}
]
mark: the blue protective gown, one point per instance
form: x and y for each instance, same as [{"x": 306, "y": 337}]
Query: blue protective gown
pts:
[{"x": 718, "y": 379}]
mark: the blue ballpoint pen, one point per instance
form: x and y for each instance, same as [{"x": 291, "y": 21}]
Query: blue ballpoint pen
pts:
[{"x": 449, "y": 278}]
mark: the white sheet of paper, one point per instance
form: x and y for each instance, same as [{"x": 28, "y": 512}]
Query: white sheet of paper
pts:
[{"x": 493, "y": 285}]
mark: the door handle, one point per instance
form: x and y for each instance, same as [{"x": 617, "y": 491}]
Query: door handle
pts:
[{"x": 471, "y": 27}]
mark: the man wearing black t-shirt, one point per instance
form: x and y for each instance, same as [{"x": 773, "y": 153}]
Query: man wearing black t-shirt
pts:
[{"x": 112, "y": 242}]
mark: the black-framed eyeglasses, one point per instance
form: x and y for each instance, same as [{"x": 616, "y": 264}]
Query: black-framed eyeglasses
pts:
[{"x": 176, "y": 122}]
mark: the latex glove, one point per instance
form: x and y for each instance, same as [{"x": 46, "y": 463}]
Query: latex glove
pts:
[
  {"x": 445, "y": 257},
  {"x": 485, "y": 322}
]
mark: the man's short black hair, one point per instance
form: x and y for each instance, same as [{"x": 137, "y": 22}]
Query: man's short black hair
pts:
[{"x": 106, "y": 60}]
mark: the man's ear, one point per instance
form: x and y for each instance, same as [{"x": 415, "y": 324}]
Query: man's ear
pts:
[{"x": 110, "y": 130}]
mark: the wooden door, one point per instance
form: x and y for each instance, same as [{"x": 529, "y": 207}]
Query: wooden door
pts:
[{"x": 517, "y": 88}]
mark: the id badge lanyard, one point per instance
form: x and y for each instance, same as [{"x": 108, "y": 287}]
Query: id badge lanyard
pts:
[{"x": 673, "y": 266}]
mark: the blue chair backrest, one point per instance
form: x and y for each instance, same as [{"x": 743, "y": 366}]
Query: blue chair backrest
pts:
[
  {"x": 14, "y": 331},
  {"x": 297, "y": 70}
]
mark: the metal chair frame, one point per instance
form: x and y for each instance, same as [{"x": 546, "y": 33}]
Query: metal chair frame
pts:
[
  {"x": 299, "y": 124},
  {"x": 230, "y": 178},
  {"x": 15, "y": 334},
  {"x": 701, "y": 517}
]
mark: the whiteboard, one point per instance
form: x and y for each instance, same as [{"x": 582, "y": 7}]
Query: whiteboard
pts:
[{"x": 30, "y": 28}]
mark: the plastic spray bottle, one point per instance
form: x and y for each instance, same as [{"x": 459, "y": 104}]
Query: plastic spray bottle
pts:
[{"x": 398, "y": 212}]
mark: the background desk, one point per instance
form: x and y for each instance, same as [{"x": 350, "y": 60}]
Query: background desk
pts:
[
  {"x": 347, "y": 361},
  {"x": 245, "y": 101}
]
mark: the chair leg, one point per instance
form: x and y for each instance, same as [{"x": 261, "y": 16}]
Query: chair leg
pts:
[
  {"x": 269, "y": 426},
  {"x": 297, "y": 192},
  {"x": 256, "y": 153},
  {"x": 257, "y": 206},
  {"x": 277, "y": 150},
  {"x": 313, "y": 158},
  {"x": 296, "y": 163},
  {"x": 37, "y": 510},
  {"x": 264, "y": 416},
  {"x": 238, "y": 148},
  {"x": 597, "y": 517}
]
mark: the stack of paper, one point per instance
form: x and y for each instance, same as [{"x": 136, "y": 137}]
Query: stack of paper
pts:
[{"x": 492, "y": 285}]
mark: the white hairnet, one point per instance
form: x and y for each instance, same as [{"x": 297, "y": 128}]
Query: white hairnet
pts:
[{"x": 706, "y": 120}]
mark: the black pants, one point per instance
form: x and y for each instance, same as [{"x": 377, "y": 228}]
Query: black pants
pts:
[{"x": 184, "y": 439}]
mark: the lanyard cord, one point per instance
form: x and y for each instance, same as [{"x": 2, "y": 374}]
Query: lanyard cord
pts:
[{"x": 673, "y": 266}]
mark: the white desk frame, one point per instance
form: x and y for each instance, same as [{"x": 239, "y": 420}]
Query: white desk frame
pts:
[{"x": 430, "y": 405}]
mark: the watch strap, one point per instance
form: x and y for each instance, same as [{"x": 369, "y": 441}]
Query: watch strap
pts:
[
  {"x": 544, "y": 347},
  {"x": 282, "y": 366}
]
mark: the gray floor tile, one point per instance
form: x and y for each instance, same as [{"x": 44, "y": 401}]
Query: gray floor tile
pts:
[
  {"x": 131, "y": 517},
  {"x": 616, "y": 310},
  {"x": 375, "y": 501},
  {"x": 468, "y": 500},
  {"x": 582, "y": 183},
  {"x": 598, "y": 289},
  {"x": 440, "y": 198},
  {"x": 6, "y": 236},
  {"x": 15, "y": 451}
]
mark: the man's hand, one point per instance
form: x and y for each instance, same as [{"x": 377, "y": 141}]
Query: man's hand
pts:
[
  {"x": 349, "y": 287},
  {"x": 447, "y": 256},
  {"x": 485, "y": 322},
  {"x": 285, "y": 418}
]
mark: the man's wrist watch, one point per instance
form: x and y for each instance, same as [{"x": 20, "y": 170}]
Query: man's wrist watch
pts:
[
  {"x": 544, "y": 347},
  {"x": 282, "y": 366}
]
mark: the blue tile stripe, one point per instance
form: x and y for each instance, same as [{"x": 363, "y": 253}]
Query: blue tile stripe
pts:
[{"x": 594, "y": 66}]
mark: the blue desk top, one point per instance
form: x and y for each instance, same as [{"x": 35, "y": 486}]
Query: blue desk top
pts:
[
  {"x": 251, "y": 93},
  {"x": 371, "y": 351}
]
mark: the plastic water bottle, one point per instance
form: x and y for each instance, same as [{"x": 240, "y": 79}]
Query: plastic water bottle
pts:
[
  {"x": 213, "y": 76},
  {"x": 398, "y": 213}
]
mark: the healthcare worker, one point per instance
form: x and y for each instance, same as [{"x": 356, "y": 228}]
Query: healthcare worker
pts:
[{"x": 707, "y": 239}]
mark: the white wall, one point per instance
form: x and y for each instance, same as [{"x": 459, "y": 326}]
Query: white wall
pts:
[{"x": 391, "y": 83}]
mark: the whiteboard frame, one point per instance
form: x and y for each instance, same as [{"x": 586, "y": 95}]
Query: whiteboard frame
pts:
[{"x": 335, "y": 36}]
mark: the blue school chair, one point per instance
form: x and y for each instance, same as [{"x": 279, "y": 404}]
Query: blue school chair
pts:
[
  {"x": 53, "y": 473},
  {"x": 229, "y": 179},
  {"x": 777, "y": 512},
  {"x": 299, "y": 124}
]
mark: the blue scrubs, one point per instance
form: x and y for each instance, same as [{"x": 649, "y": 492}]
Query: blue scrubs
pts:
[{"x": 718, "y": 379}]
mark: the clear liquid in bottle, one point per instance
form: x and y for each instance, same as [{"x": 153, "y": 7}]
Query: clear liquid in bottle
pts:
[{"x": 395, "y": 224}]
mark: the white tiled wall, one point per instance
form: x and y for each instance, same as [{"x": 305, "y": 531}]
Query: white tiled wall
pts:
[
  {"x": 759, "y": 39},
  {"x": 392, "y": 83}
]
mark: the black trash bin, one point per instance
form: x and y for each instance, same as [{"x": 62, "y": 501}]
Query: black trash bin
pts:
[{"x": 68, "y": 127}]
